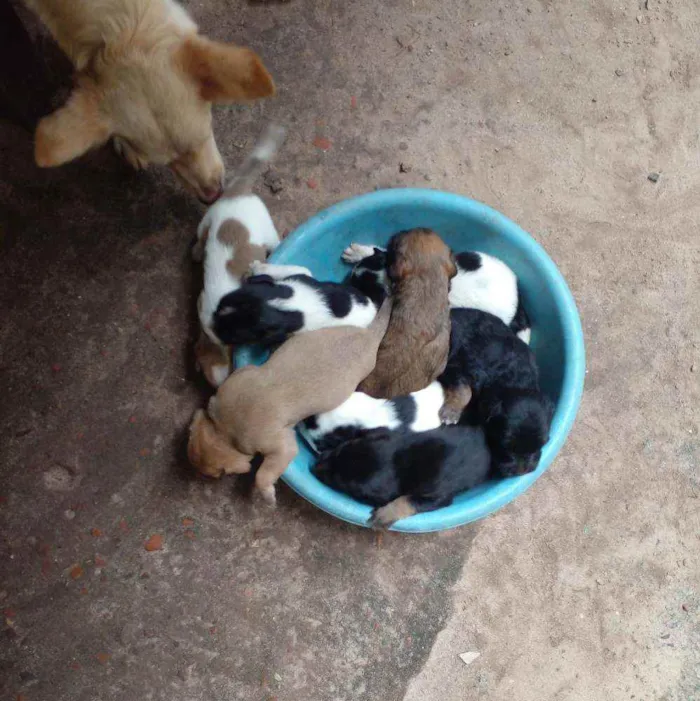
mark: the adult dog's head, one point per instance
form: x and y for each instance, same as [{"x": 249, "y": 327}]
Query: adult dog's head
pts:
[
  {"x": 516, "y": 424},
  {"x": 151, "y": 88}
]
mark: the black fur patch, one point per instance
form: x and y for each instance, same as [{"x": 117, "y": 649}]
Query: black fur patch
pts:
[
  {"x": 405, "y": 408},
  {"x": 521, "y": 321},
  {"x": 468, "y": 261},
  {"x": 375, "y": 262},
  {"x": 367, "y": 282},
  {"x": 245, "y": 316},
  {"x": 340, "y": 435},
  {"x": 311, "y": 423}
]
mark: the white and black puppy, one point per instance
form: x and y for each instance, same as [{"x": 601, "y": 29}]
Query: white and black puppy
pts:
[
  {"x": 281, "y": 300},
  {"x": 415, "y": 412},
  {"x": 482, "y": 282}
]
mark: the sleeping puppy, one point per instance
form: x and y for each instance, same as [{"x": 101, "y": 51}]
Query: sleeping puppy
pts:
[
  {"x": 414, "y": 350},
  {"x": 418, "y": 411},
  {"x": 281, "y": 300},
  {"x": 482, "y": 282},
  {"x": 256, "y": 409},
  {"x": 234, "y": 232},
  {"x": 502, "y": 373},
  {"x": 402, "y": 473}
]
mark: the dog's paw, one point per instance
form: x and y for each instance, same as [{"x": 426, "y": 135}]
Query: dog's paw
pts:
[
  {"x": 380, "y": 519},
  {"x": 356, "y": 252},
  {"x": 449, "y": 415},
  {"x": 267, "y": 496},
  {"x": 257, "y": 267}
]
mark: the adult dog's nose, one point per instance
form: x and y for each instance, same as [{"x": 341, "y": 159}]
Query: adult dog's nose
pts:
[{"x": 209, "y": 195}]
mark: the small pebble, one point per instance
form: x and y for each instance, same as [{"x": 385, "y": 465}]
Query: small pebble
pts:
[
  {"x": 69, "y": 514},
  {"x": 469, "y": 657},
  {"x": 654, "y": 177}
]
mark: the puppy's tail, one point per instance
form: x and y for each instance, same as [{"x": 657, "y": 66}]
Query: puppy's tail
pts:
[{"x": 267, "y": 145}]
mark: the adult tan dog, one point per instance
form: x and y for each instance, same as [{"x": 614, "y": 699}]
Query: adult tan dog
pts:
[
  {"x": 256, "y": 409},
  {"x": 147, "y": 78},
  {"x": 416, "y": 345}
]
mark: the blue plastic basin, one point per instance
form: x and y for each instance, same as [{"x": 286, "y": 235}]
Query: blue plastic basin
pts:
[{"x": 464, "y": 224}]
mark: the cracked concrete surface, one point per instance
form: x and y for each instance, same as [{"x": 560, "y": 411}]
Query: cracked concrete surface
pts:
[{"x": 586, "y": 587}]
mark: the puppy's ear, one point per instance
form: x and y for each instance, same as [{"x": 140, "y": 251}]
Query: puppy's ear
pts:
[
  {"x": 397, "y": 265},
  {"x": 72, "y": 129},
  {"x": 225, "y": 73},
  {"x": 451, "y": 266}
]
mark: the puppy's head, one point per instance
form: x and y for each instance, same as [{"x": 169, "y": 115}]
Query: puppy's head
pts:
[
  {"x": 245, "y": 316},
  {"x": 153, "y": 93},
  {"x": 419, "y": 252},
  {"x": 208, "y": 451},
  {"x": 516, "y": 424}
]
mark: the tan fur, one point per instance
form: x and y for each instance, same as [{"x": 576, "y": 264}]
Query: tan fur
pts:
[
  {"x": 213, "y": 360},
  {"x": 210, "y": 452},
  {"x": 415, "y": 348},
  {"x": 234, "y": 233},
  {"x": 146, "y": 78},
  {"x": 456, "y": 399},
  {"x": 394, "y": 511},
  {"x": 257, "y": 407}
]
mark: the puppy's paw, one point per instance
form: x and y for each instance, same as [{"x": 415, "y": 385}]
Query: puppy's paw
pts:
[
  {"x": 267, "y": 496},
  {"x": 449, "y": 415},
  {"x": 379, "y": 520},
  {"x": 356, "y": 252},
  {"x": 257, "y": 267}
]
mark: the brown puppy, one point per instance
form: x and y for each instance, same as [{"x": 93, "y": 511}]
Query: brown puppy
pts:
[
  {"x": 256, "y": 409},
  {"x": 415, "y": 348},
  {"x": 148, "y": 79}
]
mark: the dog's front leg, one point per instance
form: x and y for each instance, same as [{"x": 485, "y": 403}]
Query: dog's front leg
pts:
[
  {"x": 277, "y": 272},
  {"x": 456, "y": 399},
  {"x": 274, "y": 464},
  {"x": 385, "y": 516}
]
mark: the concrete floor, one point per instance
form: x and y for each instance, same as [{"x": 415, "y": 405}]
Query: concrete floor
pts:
[{"x": 587, "y": 587}]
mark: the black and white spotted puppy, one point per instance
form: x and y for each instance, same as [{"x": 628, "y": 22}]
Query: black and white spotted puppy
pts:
[
  {"x": 415, "y": 412},
  {"x": 278, "y": 301},
  {"x": 482, "y": 282}
]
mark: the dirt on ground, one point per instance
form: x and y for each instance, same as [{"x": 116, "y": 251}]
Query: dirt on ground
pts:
[{"x": 124, "y": 577}]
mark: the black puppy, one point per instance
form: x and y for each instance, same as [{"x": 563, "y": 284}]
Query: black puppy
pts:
[
  {"x": 506, "y": 399},
  {"x": 402, "y": 473},
  {"x": 267, "y": 310}
]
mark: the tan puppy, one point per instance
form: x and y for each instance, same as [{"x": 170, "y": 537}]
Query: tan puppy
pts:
[
  {"x": 415, "y": 348},
  {"x": 148, "y": 79},
  {"x": 256, "y": 409}
]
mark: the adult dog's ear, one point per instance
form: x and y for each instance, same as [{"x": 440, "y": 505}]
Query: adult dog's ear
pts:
[
  {"x": 71, "y": 130},
  {"x": 223, "y": 72}
]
